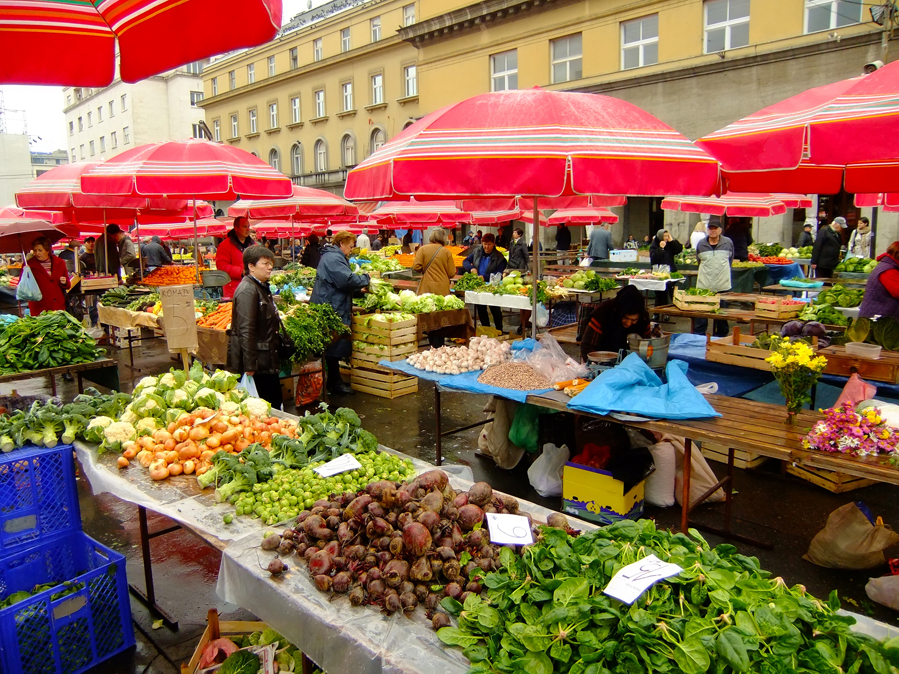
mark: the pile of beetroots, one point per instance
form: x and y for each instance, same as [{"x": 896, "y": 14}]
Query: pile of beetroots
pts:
[{"x": 398, "y": 545}]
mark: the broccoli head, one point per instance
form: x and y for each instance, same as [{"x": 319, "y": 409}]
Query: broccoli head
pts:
[
  {"x": 223, "y": 465},
  {"x": 349, "y": 417}
]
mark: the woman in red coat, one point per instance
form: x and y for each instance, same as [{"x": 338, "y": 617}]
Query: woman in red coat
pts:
[
  {"x": 229, "y": 256},
  {"x": 51, "y": 275}
]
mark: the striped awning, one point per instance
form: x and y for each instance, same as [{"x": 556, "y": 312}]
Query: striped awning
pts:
[
  {"x": 736, "y": 204},
  {"x": 306, "y": 203},
  {"x": 429, "y": 213}
]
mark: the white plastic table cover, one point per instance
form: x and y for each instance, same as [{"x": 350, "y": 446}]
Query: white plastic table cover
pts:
[
  {"x": 652, "y": 283},
  {"x": 335, "y": 635}
]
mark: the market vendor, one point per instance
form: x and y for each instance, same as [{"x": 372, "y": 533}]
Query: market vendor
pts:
[
  {"x": 882, "y": 288},
  {"x": 613, "y": 320},
  {"x": 486, "y": 260},
  {"x": 715, "y": 253},
  {"x": 109, "y": 250},
  {"x": 229, "y": 257},
  {"x": 661, "y": 253},
  {"x": 434, "y": 262},
  {"x": 826, "y": 253},
  {"x": 88, "y": 259},
  {"x": 518, "y": 251},
  {"x": 51, "y": 275},
  {"x": 254, "y": 337},
  {"x": 334, "y": 285},
  {"x": 312, "y": 253},
  {"x": 154, "y": 254}
]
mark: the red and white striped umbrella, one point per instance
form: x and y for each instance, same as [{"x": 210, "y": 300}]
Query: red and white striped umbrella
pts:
[
  {"x": 13, "y": 213},
  {"x": 186, "y": 169},
  {"x": 183, "y": 229},
  {"x": 839, "y": 135},
  {"x": 306, "y": 203},
  {"x": 77, "y": 42},
  {"x": 582, "y": 216},
  {"x": 402, "y": 214},
  {"x": 793, "y": 200},
  {"x": 734, "y": 204},
  {"x": 281, "y": 229},
  {"x": 889, "y": 202},
  {"x": 535, "y": 143}
]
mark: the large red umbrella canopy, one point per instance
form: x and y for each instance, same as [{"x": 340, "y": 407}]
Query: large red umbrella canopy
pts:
[
  {"x": 51, "y": 217},
  {"x": 185, "y": 169},
  {"x": 818, "y": 141},
  {"x": 306, "y": 203},
  {"x": 281, "y": 229},
  {"x": 535, "y": 143},
  {"x": 582, "y": 216},
  {"x": 183, "y": 230},
  {"x": 402, "y": 214},
  {"x": 737, "y": 204},
  {"x": 73, "y": 42},
  {"x": 889, "y": 202}
]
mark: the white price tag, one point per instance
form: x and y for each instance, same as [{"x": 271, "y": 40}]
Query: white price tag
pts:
[
  {"x": 509, "y": 529},
  {"x": 634, "y": 579},
  {"x": 339, "y": 465}
]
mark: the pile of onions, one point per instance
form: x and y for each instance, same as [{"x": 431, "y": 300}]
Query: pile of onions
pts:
[{"x": 482, "y": 352}]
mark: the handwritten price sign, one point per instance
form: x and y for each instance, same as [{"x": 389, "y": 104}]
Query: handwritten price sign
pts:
[
  {"x": 634, "y": 579},
  {"x": 509, "y": 529}
]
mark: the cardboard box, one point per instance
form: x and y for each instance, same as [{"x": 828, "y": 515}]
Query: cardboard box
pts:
[{"x": 595, "y": 495}]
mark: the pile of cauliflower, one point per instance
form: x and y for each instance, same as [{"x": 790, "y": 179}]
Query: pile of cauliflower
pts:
[{"x": 482, "y": 352}]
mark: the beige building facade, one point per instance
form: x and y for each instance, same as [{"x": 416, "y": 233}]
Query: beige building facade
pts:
[{"x": 41, "y": 162}]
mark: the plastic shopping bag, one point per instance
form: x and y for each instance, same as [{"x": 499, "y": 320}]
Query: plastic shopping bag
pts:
[
  {"x": 586, "y": 262},
  {"x": 247, "y": 384},
  {"x": 542, "y": 316},
  {"x": 545, "y": 474},
  {"x": 855, "y": 390},
  {"x": 884, "y": 590},
  {"x": 849, "y": 540},
  {"x": 28, "y": 290}
]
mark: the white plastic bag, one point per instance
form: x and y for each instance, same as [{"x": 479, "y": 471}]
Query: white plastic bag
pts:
[
  {"x": 586, "y": 262},
  {"x": 884, "y": 590},
  {"x": 660, "y": 483},
  {"x": 542, "y": 316},
  {"x": 545, "y": 474},
  {"x": 551, "y": 361},
  {"x": 247, "y": 384},
  {"x": 28, "y": 290}
]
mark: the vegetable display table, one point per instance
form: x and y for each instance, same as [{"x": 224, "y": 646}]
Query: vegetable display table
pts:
[
  {"x": 126, "y": 320},
  {"x": 104, "y": 372}
]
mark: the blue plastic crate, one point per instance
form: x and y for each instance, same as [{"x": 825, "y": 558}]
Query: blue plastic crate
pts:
[
  {"x": 38, "y": 496},
  {"x": 69, "y": 634}
]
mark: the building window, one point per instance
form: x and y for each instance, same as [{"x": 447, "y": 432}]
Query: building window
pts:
[
  {"x": 195, "y": 97},
  {"x": 294, "y": 58},
  {"x": 114, "y": 140},
  {"x": 347, "y": 89},
  {"x": 274, "y": 159},
  {"x": 271, "y": 66},
  {"x": 102, "y": 143},
  {"x": 92, "y": 148},
  {"x": 126, "y": 135},
  {"x": 234, "y": 129},
  {"x": 273, "y": 115},
  {"x": 90, "y": 119},
  {"x": 215, "y": 86},
  {"x": 99, "y": 114},
  {"x": 232, "y": 80},
  {"x": 408, "y": 15},
  {"x": 411, "y": 79},
  {"x": 831, "y": 14},
  {"x": 348, "y": 147},
  {"x": 195, "y": 68},
  {"x": 71, "y": 128},
  {"x": 321, "y": 157},
  {"x": 345, "y": 39},
  {"x": 124, "y": 102},
  {"x": 376, "y": 29},
  {"x": 640, "y": 42},
  {"x": 111, "y": 109},
  {"x": 320, "y": 103},
  {"x": 504, "y": 71},
  {"x": 726, "y": 25},
  {"x": 566, "y": 59},
  {"x": 377, "y": 89},
  {"x": 295, "y": 110},
  {"x": 377, "y": 140},
  {"x": 317, "y": 50},
  {"x": 80, "y": 124},
  {"x": 217, "y": 131},
  {"x": 68, "y": 103},
  {"x": 252, "y": 121},
  {"x": 74, "y": 156},
  {"x": 296, "y": 159},
  {"x": 83, "y": 156},
  {"x": 251, "y": 73},
  {"x": 196, "y": 131}
]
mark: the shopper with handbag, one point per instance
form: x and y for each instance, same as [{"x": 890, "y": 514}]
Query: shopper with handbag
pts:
[{"x": 435, "y": 264}]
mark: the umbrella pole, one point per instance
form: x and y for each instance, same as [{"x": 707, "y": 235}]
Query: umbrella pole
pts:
[
  {"x": 536, "y": 270},
  {"x": 196, "y": 243},
  {"x": 139, "y": 256}
]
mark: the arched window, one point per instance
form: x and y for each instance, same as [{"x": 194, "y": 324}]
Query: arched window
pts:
[
  {"x": 377, "y": 140},
  {"x": 348, "y": 150},
  {"x": 254, "y": 153},
  {"x": 408, "y": 123},
  {"x": 274, "y": 159},
  {"x": 321, "y": 156},
  {"x": 296, "y": 159}
]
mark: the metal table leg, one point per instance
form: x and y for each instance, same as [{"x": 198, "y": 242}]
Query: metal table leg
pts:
[
  {"x": 438, "y": 423},
  {"x": 148, "y": 597}
]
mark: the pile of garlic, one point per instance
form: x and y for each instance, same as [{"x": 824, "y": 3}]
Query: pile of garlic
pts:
[{"x": 482, "y": 352}]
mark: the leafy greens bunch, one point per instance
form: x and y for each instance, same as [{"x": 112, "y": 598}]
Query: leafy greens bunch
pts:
[
  {"x": 545, "y": 612},
  {"x": 53, "y": 339},
  {"x": 312, "y": 327}
]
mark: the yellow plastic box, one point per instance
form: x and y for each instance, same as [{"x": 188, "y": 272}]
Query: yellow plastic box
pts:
[{"x": 593, "y": 494}]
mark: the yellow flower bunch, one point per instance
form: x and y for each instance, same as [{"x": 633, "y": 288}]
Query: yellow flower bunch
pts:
[
  {"x": 796, "y": 368},
  {"x": 796, "y": 355}
]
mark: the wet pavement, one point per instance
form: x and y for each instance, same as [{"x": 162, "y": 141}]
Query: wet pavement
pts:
[{"x": 768, "y": 506}]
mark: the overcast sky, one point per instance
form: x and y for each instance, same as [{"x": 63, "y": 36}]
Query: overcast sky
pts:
[{"x": 38, "y": 110}]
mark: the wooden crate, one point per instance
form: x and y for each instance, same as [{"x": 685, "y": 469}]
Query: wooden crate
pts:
[
  {"x": 832, "y": 481},
  {"x": 686, "y": 302},
  {"x": 99, "y": 283},
  {"x": 370, "y": 321},
  {"x": 384, "y": 333},
  {"x": 385, "y": 351},
  {"x": 742, "y": 459},
  {"x": 885, "y": 368},
  {"x": 379, "y": 381},
  {"x": 735, "y": 350},
  {"x": 777, "y": 309}
]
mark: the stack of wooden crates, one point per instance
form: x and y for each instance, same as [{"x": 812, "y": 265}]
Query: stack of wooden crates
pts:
[{"x": 383, "y": 341}]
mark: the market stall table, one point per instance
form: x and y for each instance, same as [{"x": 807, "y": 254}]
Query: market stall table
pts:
[
  {"x": 103, "y": 372},
  {"x": 126, "y": 320}
]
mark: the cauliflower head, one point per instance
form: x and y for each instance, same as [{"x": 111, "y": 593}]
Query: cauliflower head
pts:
[
  {"x": 146, "y": 426},
  {"x": 256, "y": 408},
  {"x": 115, "y": 434},
  {"x": 94, "y": 430},
  {"x": 179, "y": 398}
]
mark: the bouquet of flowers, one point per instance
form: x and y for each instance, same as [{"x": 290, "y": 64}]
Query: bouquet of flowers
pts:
[
  {"x": 796, "y": 369},
  {"x": 846, "y": 431}
]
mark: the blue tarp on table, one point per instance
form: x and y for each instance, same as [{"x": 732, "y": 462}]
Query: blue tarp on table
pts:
[{"x": 778, "y": 272}]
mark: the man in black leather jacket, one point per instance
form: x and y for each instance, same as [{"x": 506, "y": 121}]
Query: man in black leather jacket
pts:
[{"x": 255, "y": 326}]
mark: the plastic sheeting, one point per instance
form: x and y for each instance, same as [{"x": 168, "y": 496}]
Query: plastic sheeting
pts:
[
  {"x": 779, "y": 272},
  {"x": 732, "y": 381},
  {"x": 469, "y": 382},
  {"x": 634, "y": 388}
]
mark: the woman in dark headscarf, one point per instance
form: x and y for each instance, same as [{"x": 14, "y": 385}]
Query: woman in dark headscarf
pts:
[{"x": 613, "y": 320}]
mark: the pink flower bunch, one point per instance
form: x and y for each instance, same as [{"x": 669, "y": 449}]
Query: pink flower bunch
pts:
[{"x": 846, "y": 431}]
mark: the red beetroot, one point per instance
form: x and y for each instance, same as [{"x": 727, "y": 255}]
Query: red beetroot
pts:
[
  {"x": 376, "y": 509},
  {"x": 416, "y": 539},
  {"x": 408, "y": 601},
  {"x": 357, "y": 506},
  {"x": 440, "y": 620},
  {"x": 433, "y": 479},
  {"x": 377, "y": 527},
  {"x": 469, "y": 516},
  {"x": 323, "y": 582},
  {"x": 333, "y": 548},
  {"x": 396, "y": 571},
  {"x": 429, "y": 519},
  {"x": 460, "y": 500},
  {"x": 376, "y": 588},
  {"x": 392, "y": 604},
  {"x": 357, "y": 596},
  {"x": 341, "y": 582},
  {"x": 376, "y": 489},
  {"x": 421, "y": 570},
  {"x": 396, "y": 546},
  {"x": 453, "y": 590},
  {"x": 314, "y": 526},
  {"x": 445, "y": 554},
  {"x": 320, "y": 563},
  {"x": 432, "y": 502},
  {"x": 480, "y": 494}
]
